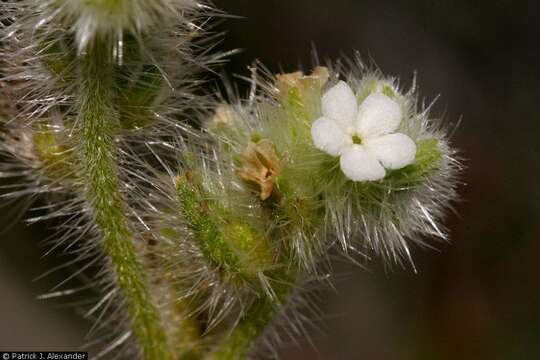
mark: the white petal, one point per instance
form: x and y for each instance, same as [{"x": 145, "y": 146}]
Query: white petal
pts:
[
  {"x": 394, "y": 151},
  {"x": 329, "y": 137},
  {"x": 378, "y": 115},
  {"x": 358, "y": 165},
  {"x": 339, "y": 104}
]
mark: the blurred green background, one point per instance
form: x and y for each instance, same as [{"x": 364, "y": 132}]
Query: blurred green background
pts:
[{"x": 476, "y": 298}]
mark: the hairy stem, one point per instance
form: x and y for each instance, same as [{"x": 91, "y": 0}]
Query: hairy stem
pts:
[
  {"x": 99, "y": 172},
  {"x": 240, "y": 342}
]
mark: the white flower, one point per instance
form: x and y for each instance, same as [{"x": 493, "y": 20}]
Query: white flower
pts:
[{"x": 363, "y": 136}]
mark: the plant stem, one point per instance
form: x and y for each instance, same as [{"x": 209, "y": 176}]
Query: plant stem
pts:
[
  {"x": 238, "y": 344},
  {"x": 99, "y": 172}
]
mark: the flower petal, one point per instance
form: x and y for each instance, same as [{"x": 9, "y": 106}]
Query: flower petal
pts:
[
  {"x": 339, "y": 104},
  {"x": 378, "y": 115},
  {"x": 394, "y": 151},
  {"x": 329, "y": 137},
  {"x": 359, "y": 165}
]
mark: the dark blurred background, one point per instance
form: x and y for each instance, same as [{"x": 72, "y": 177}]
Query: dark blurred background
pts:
[{"x": 476, "y": 298}]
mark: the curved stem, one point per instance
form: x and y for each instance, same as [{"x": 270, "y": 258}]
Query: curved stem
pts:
[
  {"x": 99, "y": 173},
  {"x": 240, "y": 342}
]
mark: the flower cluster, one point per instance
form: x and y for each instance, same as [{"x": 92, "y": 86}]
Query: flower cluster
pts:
[{"x": 359, "y": 161}]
